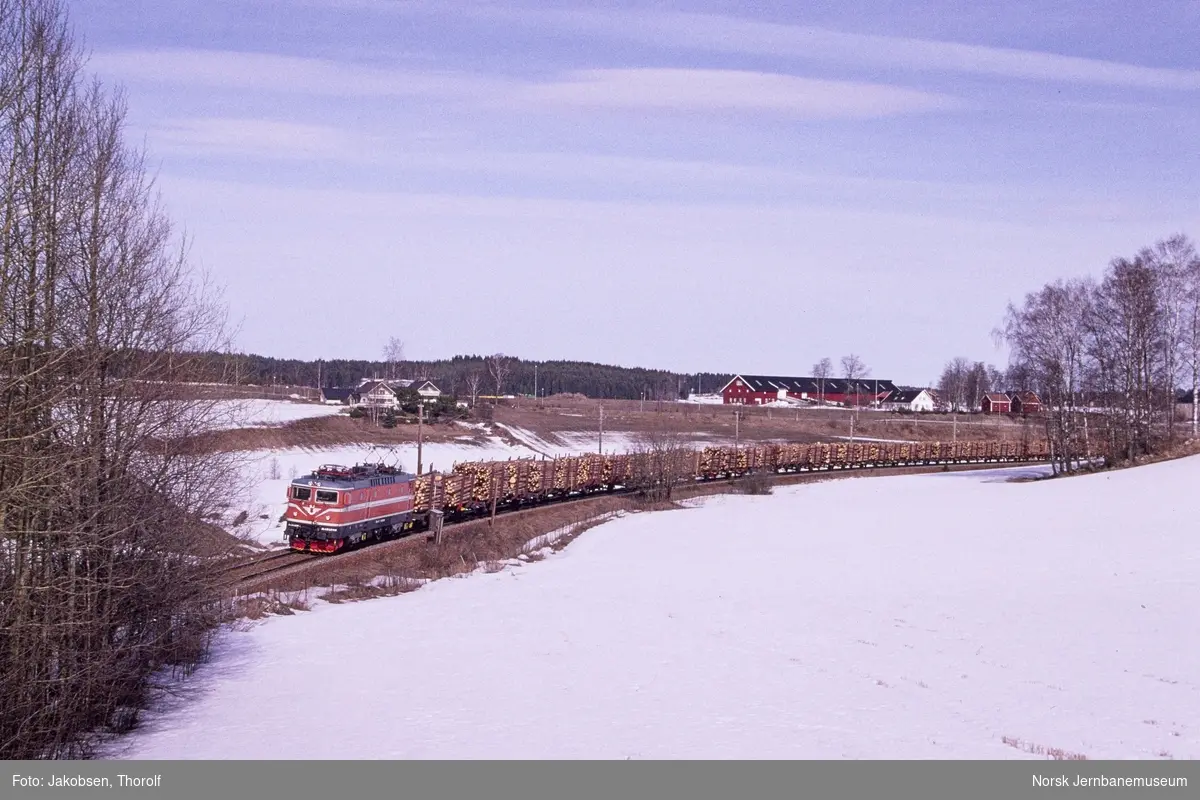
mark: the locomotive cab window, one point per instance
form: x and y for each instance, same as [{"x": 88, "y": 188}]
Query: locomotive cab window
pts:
[
  {"x": 301, "y": 492},
  {"x": 326, "y": 497}
]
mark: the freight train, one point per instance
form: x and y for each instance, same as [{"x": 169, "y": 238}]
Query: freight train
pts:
[{"x": 338, "y": 507}]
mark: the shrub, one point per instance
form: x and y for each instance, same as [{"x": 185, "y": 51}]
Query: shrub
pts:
[{"x": 757, "y": 483}]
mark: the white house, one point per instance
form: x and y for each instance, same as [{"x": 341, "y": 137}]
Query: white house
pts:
[
  {"x": 375, "y": 393},
  {"x": 909, "y": 400}
]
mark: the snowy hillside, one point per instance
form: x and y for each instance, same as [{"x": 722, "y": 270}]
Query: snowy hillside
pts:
[{"x": 939, "y": 616}]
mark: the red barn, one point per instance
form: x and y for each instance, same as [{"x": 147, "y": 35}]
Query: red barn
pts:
[
  {"x": 1025, "y": 403},
  {"x": 996, "y": 403},
  {"x": 759, "y": 389}
]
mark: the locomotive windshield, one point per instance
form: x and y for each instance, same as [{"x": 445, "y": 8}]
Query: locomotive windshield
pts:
[
  {"x": 326, "y": 497},
  {"x": 301, "y": 493}
]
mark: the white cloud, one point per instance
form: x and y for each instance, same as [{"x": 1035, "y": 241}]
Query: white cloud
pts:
[
  {"x": 279, "y": 73},
  {"x": 711, "y": 90},
  {"x": 724, "y": 34},
  {"x": 689, "y": 90},
  {"x": 256, "y": 137}
]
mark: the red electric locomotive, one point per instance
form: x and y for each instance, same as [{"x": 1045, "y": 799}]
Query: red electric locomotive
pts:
[{"x": 336, "y": 507}]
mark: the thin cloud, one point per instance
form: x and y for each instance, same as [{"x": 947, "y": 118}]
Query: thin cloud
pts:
[
  {"x": 256, "y": 138},
  {"x": 271, "y": 72},
  {"x": 685, "y": 182},
  {"x": 687, "y": 90},
  {"x": 724, "y": 34},
  {"x": 711, "y": 90}
]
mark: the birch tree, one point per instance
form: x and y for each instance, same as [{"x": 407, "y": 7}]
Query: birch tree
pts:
[
  {"x": 1047, "y": 334},
  {"x": 822, "y": 371}
]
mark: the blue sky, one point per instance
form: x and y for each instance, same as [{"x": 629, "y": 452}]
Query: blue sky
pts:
[{"x": 721, "y": 186}]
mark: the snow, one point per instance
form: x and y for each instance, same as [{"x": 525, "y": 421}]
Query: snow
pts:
[
  {"x": 264, "y": 413},
  {"x": 573, "y": 443},
  {"x": 704, "y": 399},
  {"x": 959, "y": 611}
]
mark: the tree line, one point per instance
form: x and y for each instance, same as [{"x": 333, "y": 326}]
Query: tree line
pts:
[
  {"x": 1108, "y": 356},
  {"x": 458, "y": 375},
  {"x": 963, "y": 383},
  {"x": 103, "y": 579}
]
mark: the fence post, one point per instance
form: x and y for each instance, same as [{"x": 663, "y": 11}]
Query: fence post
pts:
[
  {"x": 435, "y": 522},
  {"x": 492, "y": 520}
]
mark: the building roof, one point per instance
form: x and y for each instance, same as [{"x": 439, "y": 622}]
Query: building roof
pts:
[
  {"x": 997, "y": 397},
  {"x": 1025, "y": 397},
  {"x": 812, "y": 386},
  {"x": 367, "y": 384},
  {"x": 366, "y": 387},
  {"x": 904, "y": 395},
  {"x": 338, "y": 393}
]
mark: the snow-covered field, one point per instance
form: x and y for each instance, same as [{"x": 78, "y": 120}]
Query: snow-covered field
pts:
[
  {"x": 931, "y": 616},
  {"x": 573, "y": 443},
  {"x": 263, "y": 413},
  {"x": 704, "y": 399}
]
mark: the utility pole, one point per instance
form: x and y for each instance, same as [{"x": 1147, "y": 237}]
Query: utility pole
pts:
[
  {"x": 955, "y": 427},
  {"x": 420, "y": 432},
  {"x": 737, "y": 429},
  {"x": 602, "y": 429},
  {"x": 535, "y": 394}
]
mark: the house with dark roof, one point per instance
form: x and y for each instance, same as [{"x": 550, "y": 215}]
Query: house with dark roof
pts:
[
  {"x": 762, "y": 389},
  {"x": 343, "y": 396},
  {"x": 909, "y": 400}
]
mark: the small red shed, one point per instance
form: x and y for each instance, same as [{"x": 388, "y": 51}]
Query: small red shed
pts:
[
  {"x": 996, "y": 403},
  {"x": 1025, "y": 403}
]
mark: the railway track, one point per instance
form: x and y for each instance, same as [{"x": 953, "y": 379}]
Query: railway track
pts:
[
  {"x": 254, "y": 572},
  {"x": 254, "y": 569}
]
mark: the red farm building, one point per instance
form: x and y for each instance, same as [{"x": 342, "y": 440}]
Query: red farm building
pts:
[
  {"x": 996, "y": 403},
  {"x": 755, "y": 390},
  {"x": 1025, "y": 403}
]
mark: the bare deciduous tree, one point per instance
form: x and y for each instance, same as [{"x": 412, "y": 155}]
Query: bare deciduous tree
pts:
[
  {"x": 822, "y": 371},
  {"x": 393, "y": 354},
  {"x": 854, "y": 369},
  {"x": 1172, "y": 261},
  {"x": 1047, "y": 335},
  {"x": 952, "y": 385},
  {"x": 473, "y": 379},
  {"x": 664, "y": 460},
  {"x": 1190, "y": 339},
  {"x": 499, "y": 366},
  {"x": 105, "y": 497}
]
